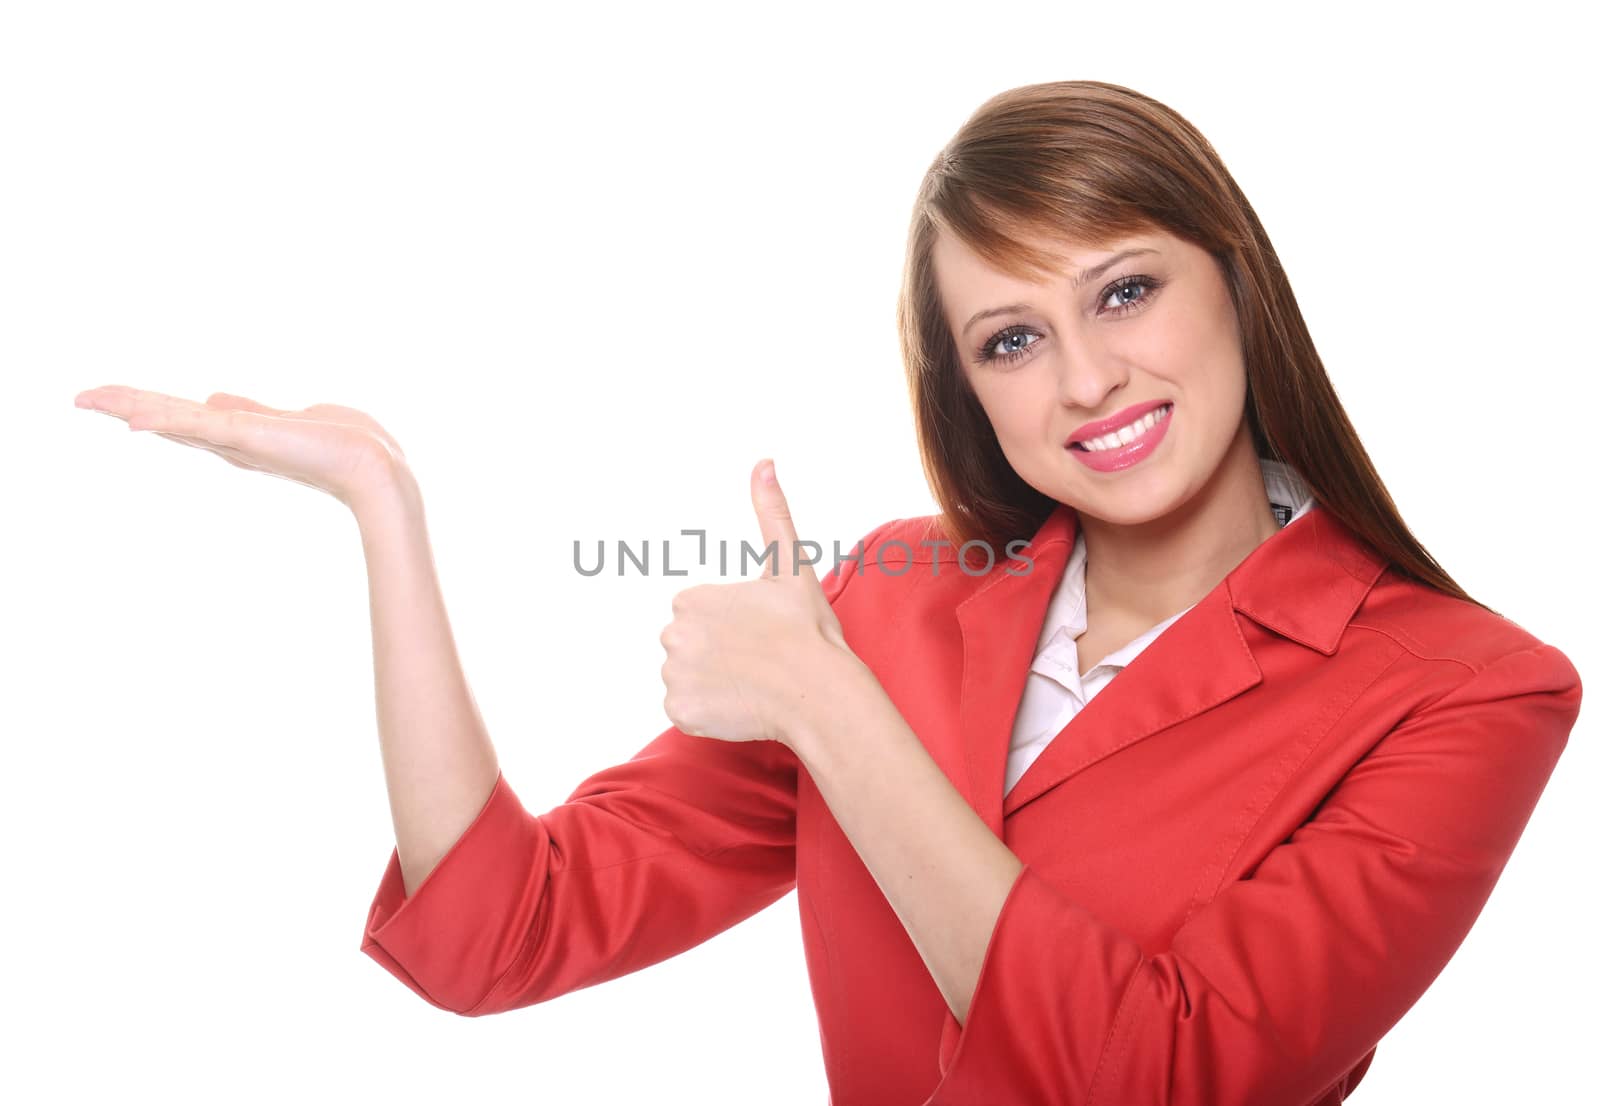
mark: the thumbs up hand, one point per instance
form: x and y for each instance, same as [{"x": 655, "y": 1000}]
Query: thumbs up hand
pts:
[{"x": 747, "y": 661}]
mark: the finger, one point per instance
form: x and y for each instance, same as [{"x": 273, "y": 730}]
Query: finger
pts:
[
  {"x": 242, "y": 403},
  {"x": 230, "y": 427},
  {"x": 99, "y": 397},
  {"x": 130, "y": 403},
  {"x": 777, "y": 525},
  {"x": 112, "y": 399},
  {"x": 322, "y": 412}
]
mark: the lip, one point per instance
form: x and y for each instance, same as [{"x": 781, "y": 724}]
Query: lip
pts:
[
  {"x": 1114, "y": 460},
  {"x": 1115, "y": 422}
]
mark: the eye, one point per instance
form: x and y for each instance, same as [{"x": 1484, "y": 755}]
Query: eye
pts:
[
  {"x": 1122, "y": 287},
  {"x": 1132, "y": 292},
  {"x": 1003, "y": 348}
]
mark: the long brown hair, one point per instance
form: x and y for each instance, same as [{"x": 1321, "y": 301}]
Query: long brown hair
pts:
[{"x": 1092, "y": 162}]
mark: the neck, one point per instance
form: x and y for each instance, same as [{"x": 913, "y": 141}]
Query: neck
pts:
[{"x": 1149, "y": 572}]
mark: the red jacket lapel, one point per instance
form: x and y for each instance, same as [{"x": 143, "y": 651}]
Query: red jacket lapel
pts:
[{"x": 1305, "y": 583}]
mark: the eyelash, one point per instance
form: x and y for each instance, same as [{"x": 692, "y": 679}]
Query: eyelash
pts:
[{"x": 986, "y": 352}]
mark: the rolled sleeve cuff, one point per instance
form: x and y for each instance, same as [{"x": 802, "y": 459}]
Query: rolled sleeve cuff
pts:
[
  {"x": 469, "y": 920},
  {"x": 1024, "y": 1039}
]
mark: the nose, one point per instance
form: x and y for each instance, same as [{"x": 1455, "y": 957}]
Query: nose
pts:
[{"x": 1086, "y": 373}]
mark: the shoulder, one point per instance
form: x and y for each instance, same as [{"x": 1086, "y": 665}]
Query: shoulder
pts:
[
  {"x": 1432, "y": 626},
  {"x": 913, "y": 548},
  {"x": 891, "y": 554},
  {"x": 894, "y": 541}
]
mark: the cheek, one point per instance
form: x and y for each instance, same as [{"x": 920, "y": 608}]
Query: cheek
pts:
[
  {"x": 1216, "y": 334},
  {"x": 1020, "y": 411},
  {"x": 1198, "y": 351},
  {"x": 1174, "y": 344}
]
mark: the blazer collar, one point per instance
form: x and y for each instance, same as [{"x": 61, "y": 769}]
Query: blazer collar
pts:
[{"x": 1304, "y": 583}]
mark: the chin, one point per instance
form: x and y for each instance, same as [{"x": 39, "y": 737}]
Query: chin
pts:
[
  {"x": 1123, "y": 513},
  {"x": 1133, "y": 503}
]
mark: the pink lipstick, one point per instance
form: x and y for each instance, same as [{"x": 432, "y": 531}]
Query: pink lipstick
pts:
[{"x": 1088, "y": 441}]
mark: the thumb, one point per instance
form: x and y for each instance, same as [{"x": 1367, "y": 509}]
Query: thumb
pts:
[{"x": 777, "y": 525}]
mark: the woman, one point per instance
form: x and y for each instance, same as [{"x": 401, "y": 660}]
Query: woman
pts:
[{"x": 1025, "y": 875}]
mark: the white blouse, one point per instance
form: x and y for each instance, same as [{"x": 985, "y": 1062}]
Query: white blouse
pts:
[{"x": 1056, "y": 691}]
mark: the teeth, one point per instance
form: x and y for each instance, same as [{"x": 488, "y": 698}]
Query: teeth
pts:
[{"x": 1122, "y": 437}]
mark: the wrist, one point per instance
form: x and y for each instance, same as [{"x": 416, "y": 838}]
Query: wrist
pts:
[
  {"x": 837, "y": 683},
  {"x": 389, "y": 490}
]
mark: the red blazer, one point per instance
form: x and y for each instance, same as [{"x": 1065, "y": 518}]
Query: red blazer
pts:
[{"x": 1245, "y": 859}]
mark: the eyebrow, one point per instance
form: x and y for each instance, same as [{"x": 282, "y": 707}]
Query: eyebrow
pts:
[{"x": 1078, "y": 282}]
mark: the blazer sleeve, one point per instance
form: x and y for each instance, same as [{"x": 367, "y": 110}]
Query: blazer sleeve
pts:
[
  {"x": 643, "y": 861},
  {"x": 1289, "y": 977}
]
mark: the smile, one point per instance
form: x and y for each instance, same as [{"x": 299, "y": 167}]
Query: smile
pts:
[
  {"x": 1125, "y": 434},
  {"x": 1125, "y": 446}
]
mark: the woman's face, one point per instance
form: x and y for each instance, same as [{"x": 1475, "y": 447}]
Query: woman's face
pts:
[{"x": 1047, "y": 360}]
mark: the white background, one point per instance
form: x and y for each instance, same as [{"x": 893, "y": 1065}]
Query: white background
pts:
[{"x": 589, "y": 266}]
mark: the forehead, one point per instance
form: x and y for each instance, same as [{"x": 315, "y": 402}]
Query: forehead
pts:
[{"x": 957, "y": 265}]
